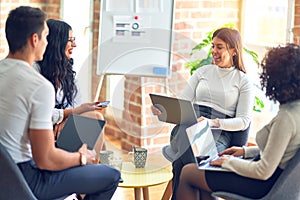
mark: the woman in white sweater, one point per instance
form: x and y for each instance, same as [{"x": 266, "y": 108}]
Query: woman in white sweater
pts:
[
  {"x": 277, "y": 142},
  {"x": 222, "y": 93}
]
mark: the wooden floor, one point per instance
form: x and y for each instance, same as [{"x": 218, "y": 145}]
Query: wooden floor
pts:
[{"x": 155, "y": 192}]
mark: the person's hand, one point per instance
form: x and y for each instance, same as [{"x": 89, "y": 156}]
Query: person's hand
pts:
[
  {"x": 89, "y": 154},
  {"x": 201, "y": 119},
  {"x": 219, "y": 161},
  {"x": 211, "y": 122},
  {"x": 155, "y": 110},
  {"x": 57, "y": 128},
  {"x": 234, "y": 151},
  {"x": 92, "y": 156},
  {"x": 85, "y": 107}
]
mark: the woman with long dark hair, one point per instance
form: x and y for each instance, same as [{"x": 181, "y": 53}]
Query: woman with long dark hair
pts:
[{"x": 57, "y": 67}]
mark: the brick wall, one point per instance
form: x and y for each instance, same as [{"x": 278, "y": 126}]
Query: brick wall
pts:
[
  {"x": 51, "y": 7},
  {"x": 296, "y": 29},
  {"x": 95, "y": 78}
]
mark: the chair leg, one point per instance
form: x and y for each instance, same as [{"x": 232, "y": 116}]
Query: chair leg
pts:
[{"x": 168, "y": 191}]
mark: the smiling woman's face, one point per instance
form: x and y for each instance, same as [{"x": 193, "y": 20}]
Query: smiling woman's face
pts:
[
  {"x": 222, "y": 56},
  {"x": 70, "y": 45}
]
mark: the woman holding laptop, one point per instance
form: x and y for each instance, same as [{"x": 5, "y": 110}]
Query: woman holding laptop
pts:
[
  {"x": 277, "y": 142},
  {"x": 222, "y": 93}
]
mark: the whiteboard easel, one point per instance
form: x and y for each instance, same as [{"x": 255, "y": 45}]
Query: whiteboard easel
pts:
[{"x": 135, "y": 38}]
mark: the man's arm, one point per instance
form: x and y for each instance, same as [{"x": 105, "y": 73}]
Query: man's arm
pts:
[{"x": 46, "y": 155}]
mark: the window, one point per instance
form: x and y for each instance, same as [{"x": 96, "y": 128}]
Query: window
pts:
[
  {"x": 81, "y": 30},
  {"x": 267, "y": 22}
]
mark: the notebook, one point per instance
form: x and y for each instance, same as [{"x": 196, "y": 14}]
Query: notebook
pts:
[
  {"x": 203, "y": 144},
  {"x": 79, "y": 130},
  {"x": 174, "y": 110}
]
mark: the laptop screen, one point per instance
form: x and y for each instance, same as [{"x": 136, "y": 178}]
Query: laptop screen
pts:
[
  {"x": 202, "y": 140},
  {"x": 203, "y": 145},
  {"x": 174, "y": 110}
]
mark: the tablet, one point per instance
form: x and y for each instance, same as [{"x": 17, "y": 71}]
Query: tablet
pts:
[
  {"x": 79, "y": 130},
  {"x": 174, "y": 110}
]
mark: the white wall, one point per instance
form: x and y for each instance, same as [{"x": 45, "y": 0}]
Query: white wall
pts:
[{"x": 78, "y": 14}]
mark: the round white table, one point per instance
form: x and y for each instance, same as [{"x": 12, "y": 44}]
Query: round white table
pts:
[{"x": 140, "y": 179}]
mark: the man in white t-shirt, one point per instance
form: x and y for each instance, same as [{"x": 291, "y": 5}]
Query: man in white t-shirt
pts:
[{"x": 26, "y": 104}]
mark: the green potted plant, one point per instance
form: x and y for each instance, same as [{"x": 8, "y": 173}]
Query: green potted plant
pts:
[{"x": 205, "y": 43}]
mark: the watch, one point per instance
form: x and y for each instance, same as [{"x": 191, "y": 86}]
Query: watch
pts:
[{"x": 83, "y": 160}]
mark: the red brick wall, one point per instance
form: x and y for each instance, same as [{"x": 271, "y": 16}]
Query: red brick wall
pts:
[
  {"x": 51, "y": 7},
  {"x": 95, "y": 78},
  {"x": 296, "y": 29}
]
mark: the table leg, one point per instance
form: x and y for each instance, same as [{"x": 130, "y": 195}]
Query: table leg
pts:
[
  {"x": 137, "y": 193},
  {"x": 146, "y": 193},
  {"x": 168, "y": 191}
]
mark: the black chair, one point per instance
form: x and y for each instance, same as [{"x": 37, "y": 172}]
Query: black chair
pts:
[
  {"x": 13, "y": 185},
  {"x": 286, "y": 187}
]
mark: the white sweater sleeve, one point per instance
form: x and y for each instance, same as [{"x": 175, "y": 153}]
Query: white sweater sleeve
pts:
[
  {"x": 57, "y": 116},
  {"x": 189, "y": 90},
  {"x": 244, "y": 109}
]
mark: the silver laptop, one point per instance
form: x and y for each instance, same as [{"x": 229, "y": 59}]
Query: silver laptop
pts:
[
  {"x": 79, "y": 130},
  {"x": 203, "y": 145},
  {"x": 174, "y": 110}
]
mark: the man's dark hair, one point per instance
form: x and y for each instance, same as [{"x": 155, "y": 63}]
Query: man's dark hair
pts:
[{"x": 21, "y": 23}]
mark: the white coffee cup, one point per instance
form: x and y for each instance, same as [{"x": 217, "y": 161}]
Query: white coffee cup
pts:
[
  {"x": 105, "y": 155},
  {"x": 116, "y": 162}
]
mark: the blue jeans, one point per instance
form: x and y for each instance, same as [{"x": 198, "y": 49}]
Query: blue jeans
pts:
[{"x": 96, "y": 181}]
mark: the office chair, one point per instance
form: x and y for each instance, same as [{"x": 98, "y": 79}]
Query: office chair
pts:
[
  {"x": 12, "y": 182},
  {"x": 286, "y": 187}
]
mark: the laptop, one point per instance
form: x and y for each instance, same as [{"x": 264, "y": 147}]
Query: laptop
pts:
[
  {"x": 203, "y": 145},
  {"x": 79, "y": 130},
  {"x": 174, "y": 110}
]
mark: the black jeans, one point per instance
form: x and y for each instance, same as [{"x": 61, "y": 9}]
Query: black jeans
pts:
[{"x": 223, "y": 140}]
